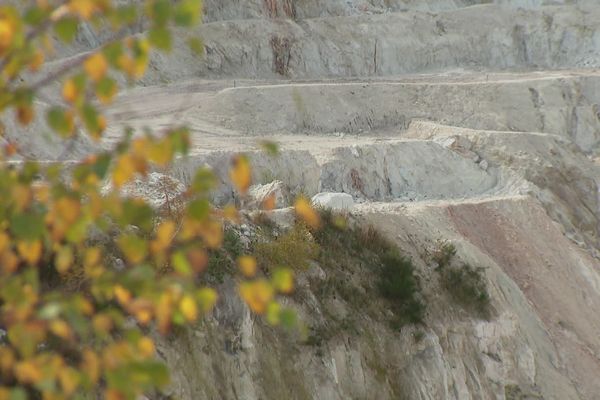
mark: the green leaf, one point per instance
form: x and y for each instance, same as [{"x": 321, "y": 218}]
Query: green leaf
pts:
[
  {"x": 18, "y": 394},
  {"x": 126, "y": 14},
  {"x": 160, "y": 37},
  {"x": 270, "y": 147},
  {"x": 196, "y": 45},
  {"x": 101, "y": 165},
  {"x": 66, "y": 29},
  {"x": 59, "y": 122},
  {"x": 112, "y": 52},
  {"x": 204, "y": 180},
  {"x": 288, "y": 318},
  {"x": 134, "y": 248},
  {"x": 34, "y": 16},
  {"x": 187, "y": 12},
  {"x": 90, "y": 117},
  {"x": 27, "y": 226},
  {"x": 106, "y": 87},
  {"x": 199, "y": 209},
  {"x": 181, "y": 264},
  {"x": 160, "y": 12}
]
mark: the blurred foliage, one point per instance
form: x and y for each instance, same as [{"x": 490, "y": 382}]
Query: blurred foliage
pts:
[{"x": 77, "y": 323}]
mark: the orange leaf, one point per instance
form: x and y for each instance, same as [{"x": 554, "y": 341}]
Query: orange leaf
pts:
[
  {"x": 241, "y": 173},
  {"x": 69, "y": 91},
  {"x": 307, "y": 213},
  {"x": 198, "y": 260},
  {"x": 146, "y": 347},
  {"x": 25, "y": 114},
  {"x": 36, "y": 61},
  {"x": 256, "y": 294},
  {"x": 269, "y": 202},
  {"x": 7, "y": 32}
]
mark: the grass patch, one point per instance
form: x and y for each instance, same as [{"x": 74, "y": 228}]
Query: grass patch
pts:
[{"x": 294, "y": 249}]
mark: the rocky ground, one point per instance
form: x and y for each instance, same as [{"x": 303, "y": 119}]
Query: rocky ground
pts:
[{"x": 471, "y": 121}]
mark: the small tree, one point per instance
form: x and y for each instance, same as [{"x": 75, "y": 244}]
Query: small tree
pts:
[{"x": 73, "y": 325}]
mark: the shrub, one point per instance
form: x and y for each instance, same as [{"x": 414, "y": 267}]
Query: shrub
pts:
[
  {"x": 344, "y": 244},
  {"x": 444, "y": 254},
  {"x": 468, "y": 287},
  {"x": 398, "y": 284},
  {"x": 294, "y": 249}
]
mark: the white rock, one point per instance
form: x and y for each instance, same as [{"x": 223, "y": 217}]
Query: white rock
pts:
[{"x": 334, "y": 201}]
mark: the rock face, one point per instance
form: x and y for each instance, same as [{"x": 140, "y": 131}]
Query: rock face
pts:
[{"x": 471, "y": 121}]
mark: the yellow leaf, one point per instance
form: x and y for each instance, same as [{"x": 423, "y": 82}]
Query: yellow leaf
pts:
[
  {"x": 69, "y": 91},
  {"x": 90, "y": 365},
  {"x": 102, "y": 323},
  {"x": 212, "y": 233},
  {"x": 230, "y": 213},
  {"x": 241, "y": 173},
  {"x": 36, "y": 61},
  {"x": 247, "y": 265},
  {"x": 68, "y": 209},
  {"x": 28, "y": 372},
  {"x": 161, "y": 153},
  {"x": 30, "y": 251},
  {"x": 256, "y": 294},
  {"x": 96, "y": 66},
  {"x": 92, "y": 257},
  {"x": 207, "y": 298},
  {"x": 7, "y": 360},
  {"x": 4, "y": 240},
  {"x": 124, "y": 170},
  {"x": 305, "y": 211},
  {"x": 146, "y": 347},
  {"x": 84, "y": 8},
  {"x": 283, "y": 280},
  {"x": 164, "y": 234},
  {"x": 7, "y": 32},
  {"x": 273, "y": 310},
  {"x": 189, "y": 308},
  {"x": 61, "y": 329},
  {"x": 22, "y": 196},
  {"x": 64, "y": 259},
  {"x": 9, "y": 262},
  {"x": 123, "y": 295},
  {"x": 69, "y": 380}
]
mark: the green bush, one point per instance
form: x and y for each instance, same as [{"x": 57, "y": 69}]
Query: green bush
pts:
[
  {"x": 345, "y": 244},
  {"x": 398, "y": 284},
  {"x": 468, "y": 287}
]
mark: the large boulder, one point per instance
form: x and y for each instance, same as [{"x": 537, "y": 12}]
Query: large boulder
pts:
[{"x": 333, "y": 201}]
